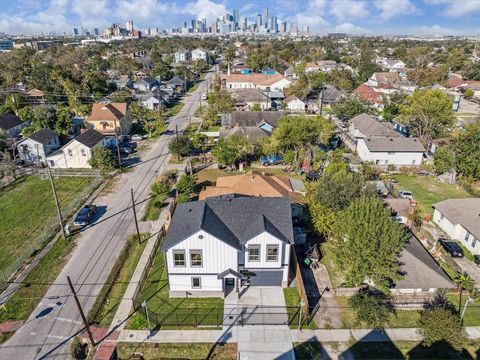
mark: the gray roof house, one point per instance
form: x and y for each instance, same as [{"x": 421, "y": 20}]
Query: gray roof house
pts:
[
  {"x": 396, "y": 151},
  {"x": 176, "y": 83},
  {"x": 11, "y": 125},
  {"x": 364, "y": 125},
  {"x": 145, "y": 84},
  {"x": 219, "y": 242},
  {"x": 250, "y": 124},
  {"x": 35, "y": 148}
]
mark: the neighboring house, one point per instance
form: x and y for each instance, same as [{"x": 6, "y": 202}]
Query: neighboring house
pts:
[
  {"x": 250, "y": 124},
  {"x": 36, "y": 96},
  {"x": 153, "y": 100},
  {"x": 275, "y": 82},
  {"x": 77, "y": 152},
  {"x": 182, "y": 55},
  {"x": 200, "y": 54},
  {"x": 460, "y": 219},
  {"x": 421, "y": 274},
  {"x": 111, "y": 117},
  {"x": 383, "y": 77},
  {"x": 370, "y": 94},
  {"x": 35, "y": 148},
  {"x": 398, "y": 150},
  {"x": 391, "y": 64},
  {"x": 331, "y": 94},
  {"x": 290, "y": 74},
  {"x": 122, "y": 82},
  {"x": 177, "y": 84},
  {"x": 245, "y": 99},
  {"x": 364, "y": 125},
  {"x": 311, "y": 67},
  {"x": 145, "y": 84},
  {"x": 294, "y": 104},
  {"x": 259, "y": 185},
  {"x": 214, "y": 245},
  {"x": 12, "y": 125},
  {"x": 327, "y": 65}
]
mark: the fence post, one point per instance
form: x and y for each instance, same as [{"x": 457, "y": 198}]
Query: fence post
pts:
[{"x": 195, "y": 317}]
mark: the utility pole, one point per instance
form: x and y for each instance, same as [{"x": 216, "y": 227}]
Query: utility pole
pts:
[
  {"x": 135, "y": 216},
  {"x": 118, "y": 143},
  {"x": 178, "y": 148},
  {"x": 59, "y": 212},
  {"x": 87, "y": 327},
  {"x": 321, "y": 102}
]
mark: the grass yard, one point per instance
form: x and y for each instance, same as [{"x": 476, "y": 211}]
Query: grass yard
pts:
[
  {"x": 36, "y": 284},
  {"x": 28, "y": 214},
  {"x": 175, "y": 109},
  {"x": 292, "y": 298},
  {"x": 193, "y": 88},
  {"x": 427, "y": 191},
  {"x": 172, "y": 312},
  {"x": 154, "y": 207},
  {"x": 398, "y": 319},
  {"x": 192, "y": 351},
  {"x": 472, "y": 314},
  {"x": 107, "y": 302}
]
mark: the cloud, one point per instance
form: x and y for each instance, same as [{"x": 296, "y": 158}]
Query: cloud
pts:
[
  {"x": 348, "y": 9},
  {"x": 349, "y": 28},
  {"x": 389, "y": 9},
  {"x": 205, "y": 9},
  {"x": 310, "y": 16},
  {"x": 457, "y": 8},
  {"x": 144, "y": 11}
]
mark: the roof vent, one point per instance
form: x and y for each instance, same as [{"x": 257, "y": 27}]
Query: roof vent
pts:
[
  {"x": 190, "y": 210},
  {"x": 391, "y": 139}
]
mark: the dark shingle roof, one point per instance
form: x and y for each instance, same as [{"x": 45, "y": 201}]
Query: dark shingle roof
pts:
[
  {"x": 9, "y": 121},
  {"x": 398, "y": 144},
  {"x": 44, "y": 135},
  {"x": 465, "y": 212},
  {"x": 90, "y": 138},
  {"x": 251, "y": 118},
  {"x": 368, "y": 126},
  {"x": 232, "y": 220}
]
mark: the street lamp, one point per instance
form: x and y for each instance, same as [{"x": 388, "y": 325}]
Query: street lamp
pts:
[
  {"x": 144, "y": 305},
  {"x": 302, "y": 304},
  {"x": 469, "y": 300}
]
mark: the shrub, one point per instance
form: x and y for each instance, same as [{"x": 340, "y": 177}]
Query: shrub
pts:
[
  {"x": 186, "y": 184},
  {"x": 370, "y": 308},
  {"x": 160, "y": 187}
]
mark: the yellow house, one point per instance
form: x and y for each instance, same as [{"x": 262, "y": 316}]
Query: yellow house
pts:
[{"x": 105, "y": 116}]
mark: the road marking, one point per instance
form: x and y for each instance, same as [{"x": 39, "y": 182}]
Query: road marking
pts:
[
  {"x": 33, "y": 333},
  {"x": 58, "y": 337},
  {"x": 69, "y": 320}
]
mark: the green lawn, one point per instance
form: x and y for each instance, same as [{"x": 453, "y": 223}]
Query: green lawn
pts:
[
  {"x": 472, "y": 314},
  {"x": 427, "y": 191},
  {"x": 172, "y": 312},
  {"x": 175, "y": 109},
  {"x": 193, "y": 87},
  {"x": 154, "y": 207},
  {"x": 398, "y": 319},
  {"x": 28, "y": 214},
  {"x": 107, "y": 301},
  {"x": 194, "y": 351},
  {"x": 36, "y": 284},
  {"x": 292, "y": 298}
]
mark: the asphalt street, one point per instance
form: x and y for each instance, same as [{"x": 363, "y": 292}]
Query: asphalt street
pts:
[{"x": 46, "y": 334}]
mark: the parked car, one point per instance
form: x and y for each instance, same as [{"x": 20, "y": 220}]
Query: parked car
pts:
[
  {"x": 271, "y": 160},
  {"x": 204, "y": 96},
  {"x": 126, "y": 150},
  {"x": 312, "y": 176},
  {"x": 85, "y": 215},
  {"x": 451, "y": 247},
  {"x": 137, "y": 137},
  {"x": 476, "y": 259},
  {"x": 404, "y": 194}
]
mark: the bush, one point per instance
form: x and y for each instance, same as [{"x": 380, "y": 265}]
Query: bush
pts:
[
  {"x": 102, "y": 160},
  {"x": 183, "y": 198},
  {"x": 160, "y": 187},
  {"x": 79, "y": 349},
  {"x": 468, "y": 93},
  {"x": 186, "y": 184},
  {"x": 371, "y": 308}
]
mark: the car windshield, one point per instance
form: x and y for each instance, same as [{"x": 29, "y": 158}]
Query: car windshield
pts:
[{"x": 84, "y": 211}]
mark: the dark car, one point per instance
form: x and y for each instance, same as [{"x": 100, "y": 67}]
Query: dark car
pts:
[
  {"x": 312, "y": 176},
  {"x": 476, "y": 259},
  {"x": 85, "y": 215},
  {"x": 271, "y": 160},
  {"x": 451, "y": 247}
]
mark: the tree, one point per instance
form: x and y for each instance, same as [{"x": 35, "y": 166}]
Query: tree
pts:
[
  {"x": 102, "y": 160},
  {"x": 351, "y": 106},
  {"x": 443, "y": 159},
  {"x": 63, "y": 123},
  {"x": 3, "y": 140},
  {"x": 368, "y": 243},
  {"x": 427, "y": 113},
  {"x": 155, "y": 126},
  {"x": 160, "y": 187},
  {"x": 467, "y": 147},
  {"x": 186, "y": 184},
  {"x": 7, "y": 165},
  {"x": 256, "y": 61},
  {"x": 161, "y": 69},
  {"x": 233, "y": 149},
  {"x": 370, "y": 307},
  {"x": 392, "y": 105},
  {"x": 472, "y": 71},
  {"x": 181, "y": 146},
  {"x": 230, "y": 54},
  {"x": 438, "y": 322},
  {"x": 256, "y": 107},
  {"x": 468, "y": 93}
]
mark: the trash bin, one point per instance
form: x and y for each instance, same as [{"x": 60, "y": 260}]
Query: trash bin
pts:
[{"x": 67, "y": 229}]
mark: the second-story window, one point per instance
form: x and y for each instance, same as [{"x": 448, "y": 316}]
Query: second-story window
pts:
[
  {"x": 272, "y": 252},
  {"x": 254, "y": 253},
  {"x": 178, "y": 258},
  {"x": 196, "y": 258}
]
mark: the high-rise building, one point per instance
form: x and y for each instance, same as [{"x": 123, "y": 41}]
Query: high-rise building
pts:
[
  {"x": 129, "y": 25},
  {"x": 259, "y": 21},
  {"x": 283, "y": 28},
  {"x": 273, "y": 24},
  {"x": 236, "y": 16},
  {"x": 75, "y": 31},
  {"x": 96, "y": 32},
  {"x": 265, "y": 18}
]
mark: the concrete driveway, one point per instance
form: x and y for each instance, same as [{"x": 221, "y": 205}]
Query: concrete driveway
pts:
[{"x": 470, "y": 267}]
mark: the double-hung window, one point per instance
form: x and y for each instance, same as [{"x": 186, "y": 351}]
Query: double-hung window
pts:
[
  {"x": 254, "y": 253},
  {"x": 196, "y": 282},
  {"x": 272, "y": 252},
  {"x": 178, "y": 258},
  {"x": 467, "y": 235},
  {"x": 196, "y": 258}
]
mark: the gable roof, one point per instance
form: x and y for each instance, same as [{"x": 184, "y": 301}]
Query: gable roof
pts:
[
  {"x": 8, "y": 121},
  {"x": 89, "y": 138},
  {"x": 397, "y": 144},
  {"x": 176, "y": 81},
  {"x": 110, "y": 111},
  {"x": 291, "y": 98},
  {"x": 43, "y": 136},
  {"x": 419, "y": 268},
  {"x": 465, "y": 212},
  {"x": 388, "y": 77},
  {"x": 252, "y": 184},
  {"x": 454, "y": 81},
  {"x": 252, "y": 133},
  {"x": 233, "y": 220},
  {"x": 249, "y": 95},
  {"x": 369, "y": 126},
  {"x": 257, "y": 79},
  {"x": 369, "y": 94},
  {"x": 251, "y": 118}
]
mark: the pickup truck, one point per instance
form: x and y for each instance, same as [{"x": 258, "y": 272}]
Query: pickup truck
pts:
[
  {"x": 271, "y": 160},
  {"x": 85, "y": 215}
]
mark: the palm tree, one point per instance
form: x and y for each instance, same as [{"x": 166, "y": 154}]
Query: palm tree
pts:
[{"x": 463, "y": 281}]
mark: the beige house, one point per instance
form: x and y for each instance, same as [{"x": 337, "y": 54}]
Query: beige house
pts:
[
  {"x": 245, "y": 99},
  {"x": 106, "y": 117}
]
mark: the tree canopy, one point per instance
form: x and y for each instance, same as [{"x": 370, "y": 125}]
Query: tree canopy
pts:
[{"x": 351, "y": 106}]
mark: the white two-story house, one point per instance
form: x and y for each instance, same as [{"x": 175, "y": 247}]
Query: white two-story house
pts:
[{"x": 229, "y": 241}]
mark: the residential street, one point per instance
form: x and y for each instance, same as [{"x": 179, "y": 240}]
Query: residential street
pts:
[{"x": 56, "y": 320}]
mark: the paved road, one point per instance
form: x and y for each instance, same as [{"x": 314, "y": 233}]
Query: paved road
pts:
[{"x": 56, "y": 320}]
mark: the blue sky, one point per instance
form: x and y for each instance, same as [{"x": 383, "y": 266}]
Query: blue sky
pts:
[{"x": 424, "y": 17}]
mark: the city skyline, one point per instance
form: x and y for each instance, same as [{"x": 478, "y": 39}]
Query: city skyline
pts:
[{"x": 390, "y": 17}]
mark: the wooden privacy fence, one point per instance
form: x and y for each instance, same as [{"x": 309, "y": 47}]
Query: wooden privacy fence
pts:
[{"x": 299, "y": 280}]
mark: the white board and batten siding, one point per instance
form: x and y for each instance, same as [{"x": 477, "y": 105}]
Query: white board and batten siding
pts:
[
  {"x": 400, "y": 158},
  {"x": 217, "y": 256},
  {"x": 263, "y": 240}
]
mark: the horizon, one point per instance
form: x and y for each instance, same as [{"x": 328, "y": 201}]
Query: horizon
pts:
[{"x": 355, "y": 17}]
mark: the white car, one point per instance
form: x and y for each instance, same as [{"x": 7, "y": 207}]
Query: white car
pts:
[
  {"x": 204, "y": 96},
  {"x": 137, "y": 137},
  {"x": 404, "y": 194}
]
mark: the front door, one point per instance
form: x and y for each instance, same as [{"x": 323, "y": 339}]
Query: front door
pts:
[{"x": 229, "y": 281}]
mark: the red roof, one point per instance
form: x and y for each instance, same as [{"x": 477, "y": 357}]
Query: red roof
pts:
[
  {"x": 454, "y": 81},
  {"x": 369, "y": 94}
]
